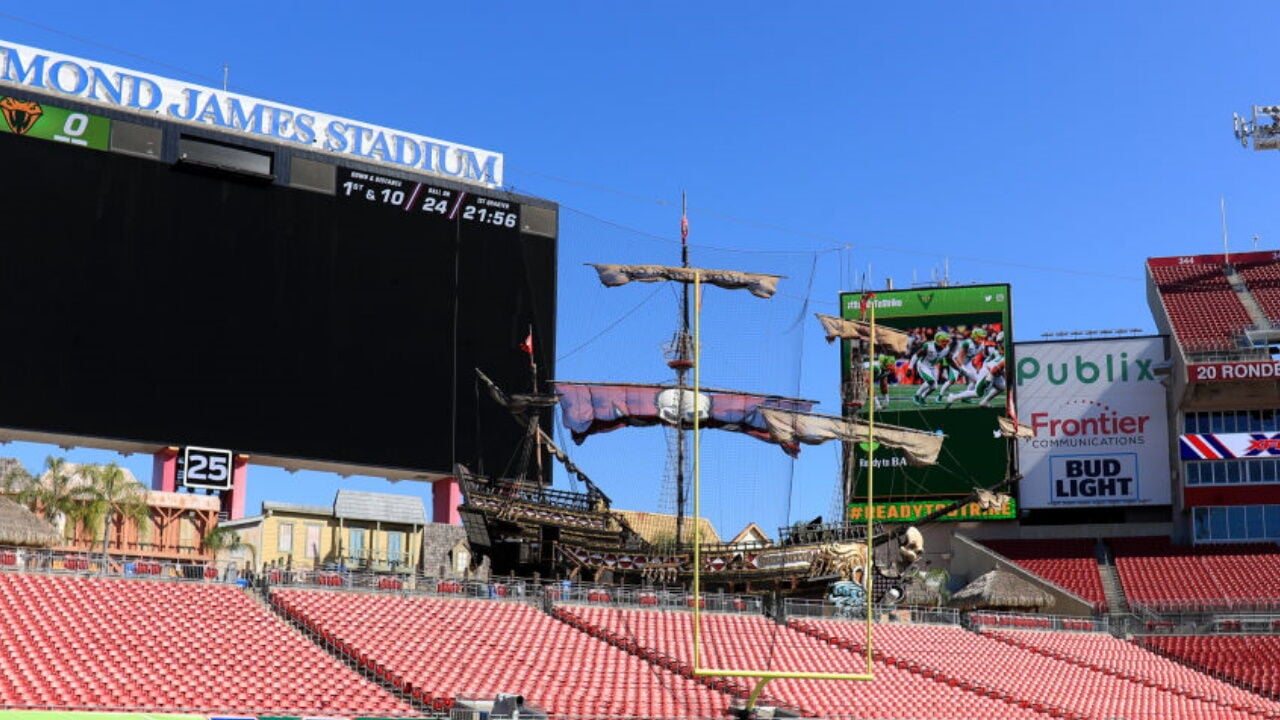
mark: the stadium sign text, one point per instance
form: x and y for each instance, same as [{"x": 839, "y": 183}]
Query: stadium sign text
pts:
[
  {"x": 140, "y": 92},
  {"x": 1095, "y": 478},
  {"x": 1098, "y": 414},
  {"x": 1108, "y": 368},
  {"x": 1231, "y": 371},
  {"x": 913, "y": 511}
]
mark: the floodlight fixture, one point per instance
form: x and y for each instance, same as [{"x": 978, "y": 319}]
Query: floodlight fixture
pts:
[{"x": 1265, "y": 136}]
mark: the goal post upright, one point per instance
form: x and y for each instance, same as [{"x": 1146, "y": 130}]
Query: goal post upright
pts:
[{"x": 764, "y": 676}]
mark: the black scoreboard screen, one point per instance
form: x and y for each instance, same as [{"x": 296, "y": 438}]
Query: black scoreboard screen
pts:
[{"x": 298, "y": 307}]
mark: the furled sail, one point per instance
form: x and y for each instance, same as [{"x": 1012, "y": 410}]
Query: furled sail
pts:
[
  {"x": 760, "y": 285},
  {"x": 1011, "y": 428},
  {"x": 887, "y": 339},
  {"x": 918, "y": 447},
  {"x": 587, "y": 409}
]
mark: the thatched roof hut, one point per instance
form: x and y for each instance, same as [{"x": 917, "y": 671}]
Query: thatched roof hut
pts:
[
  {"x": 20, "y": 526},
  {"x": 1002, "y": 590}
]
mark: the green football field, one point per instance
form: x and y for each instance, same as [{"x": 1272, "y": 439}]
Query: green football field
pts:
[{"x": 901, "y": 398}]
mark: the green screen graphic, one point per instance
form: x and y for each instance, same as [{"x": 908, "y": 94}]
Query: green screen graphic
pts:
[
  {"x": 950, "y": 380},
  {"x": 48, "y": 122}
]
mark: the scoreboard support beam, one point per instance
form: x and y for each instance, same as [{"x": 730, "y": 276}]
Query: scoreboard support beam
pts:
[
  {"x": 164, "y": 478},
  {"x": 233, "y": 500},
  {"x": 164, "y": 470},
  {"x": 446, "y": 496}
]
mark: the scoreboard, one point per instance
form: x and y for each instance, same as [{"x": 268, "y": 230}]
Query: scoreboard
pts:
[{"x": 168, "y": 284}]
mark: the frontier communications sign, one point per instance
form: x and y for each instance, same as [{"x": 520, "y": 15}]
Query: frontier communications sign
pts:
[
  {"x": 1101, "y": 432},
  {"x": 138, "y": 92}
]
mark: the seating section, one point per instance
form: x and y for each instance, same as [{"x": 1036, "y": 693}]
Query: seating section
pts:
[
  {"x": 436, "y": 648},
  {"x": 754, "y": 642},
  {"x": 1068, "y": 563},
  {"x": 108, "y": 644},
  {"x": 1048, "y": 683},
  {"x": 1204, "y": 309},
  {"x": 1133, "y": 662},
  {"x": 71, "y": 643},
  {"x": 1249, "y": 660},
  {"x": 1263, "y": 279},
  {"x": 1164, "y": 577}
]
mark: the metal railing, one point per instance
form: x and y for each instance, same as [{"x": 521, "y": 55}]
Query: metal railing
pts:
[
  {"x": 654, "y": 598},
  {"x": 530, "y": 590},
  {"x": 1026, "y": 621},
  {"x": 825, "y": 609}
]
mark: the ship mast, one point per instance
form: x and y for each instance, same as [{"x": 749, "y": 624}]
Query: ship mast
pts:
[{"x": 682, "y": 362}]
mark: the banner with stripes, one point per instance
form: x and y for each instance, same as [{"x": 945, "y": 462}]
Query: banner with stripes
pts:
[{"x": 1224, "y": 446}]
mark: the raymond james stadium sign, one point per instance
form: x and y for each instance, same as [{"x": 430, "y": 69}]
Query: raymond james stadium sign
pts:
[{"x": 170, "y": 99}]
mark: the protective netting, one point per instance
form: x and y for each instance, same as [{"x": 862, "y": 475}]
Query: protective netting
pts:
[{"x": 749, "y": 344}]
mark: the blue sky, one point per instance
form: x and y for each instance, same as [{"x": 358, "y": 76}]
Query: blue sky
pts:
[{"x": 1052, "y": 146}]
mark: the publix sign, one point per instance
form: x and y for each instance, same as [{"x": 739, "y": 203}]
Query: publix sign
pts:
[
  {"x": 86, "y": 80},
  {"x": 1101, "y": 430}
]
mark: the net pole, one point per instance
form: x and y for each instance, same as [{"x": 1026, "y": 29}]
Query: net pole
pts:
[
  {"x": 697, "y": 471},
  {"x": 867, "y": 580}
]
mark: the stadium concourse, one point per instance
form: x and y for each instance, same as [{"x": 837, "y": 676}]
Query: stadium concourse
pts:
[{"x": 1176, "y": 616}]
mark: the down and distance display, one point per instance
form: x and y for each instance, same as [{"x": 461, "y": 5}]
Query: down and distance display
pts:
[{"x": 420, "y": 198}]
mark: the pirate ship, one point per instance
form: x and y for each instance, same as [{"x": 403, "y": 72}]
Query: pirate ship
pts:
[{"x": 526, "y": 527}]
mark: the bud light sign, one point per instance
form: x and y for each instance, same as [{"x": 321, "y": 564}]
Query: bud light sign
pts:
[{"x": 1094, "y": 478}]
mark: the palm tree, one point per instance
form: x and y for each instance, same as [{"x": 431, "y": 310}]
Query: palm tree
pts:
[
  {"x": 937, "y": 580},
  {"x": 223, "y": 538},
  {"x": 50, "y": 495},
  {"x": 106, "y": 492},
  {"x": 14, "y": 482}
]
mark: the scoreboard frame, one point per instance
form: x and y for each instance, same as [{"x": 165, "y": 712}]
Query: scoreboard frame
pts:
[{"x": 529, "y": 225}]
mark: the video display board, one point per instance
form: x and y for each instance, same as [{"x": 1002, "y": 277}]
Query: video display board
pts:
[
  {"x": 1098, "y": 411},
  {"x": 951, "y": 380},
  {"x": 146, "y": 299}
]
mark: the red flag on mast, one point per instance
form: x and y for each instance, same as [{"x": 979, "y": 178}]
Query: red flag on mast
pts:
[
  {"x": 862, "y": 304},
  {"x": 527, "y": 345}
]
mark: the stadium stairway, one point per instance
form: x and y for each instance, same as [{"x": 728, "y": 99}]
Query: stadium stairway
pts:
[
  {"x": 436, "y": 648},
  {"x": 657, "y": 657},
  {"x": 1251, "y": 305},
  {"x": 345, "y": 655},
  {"x": 72, "y": 642},
  {"x": 1117, "y": 601},
  {"x": 753, "y": 641}
]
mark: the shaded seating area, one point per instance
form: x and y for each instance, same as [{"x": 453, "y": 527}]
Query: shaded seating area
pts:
[
  {"x": 436, "y": 648},
  {"x": 1066, "y": 562},
  {"x": 755, "y": 642},
  {"x": 1164, "y": 577},
  {"x": 109, "y": 644}
]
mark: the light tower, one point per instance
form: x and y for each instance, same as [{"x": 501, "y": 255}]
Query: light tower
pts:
[{"x": 1265, "y": 137}]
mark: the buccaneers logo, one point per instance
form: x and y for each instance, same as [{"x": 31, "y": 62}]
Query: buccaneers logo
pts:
[{"x": 20, "y": 115}]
